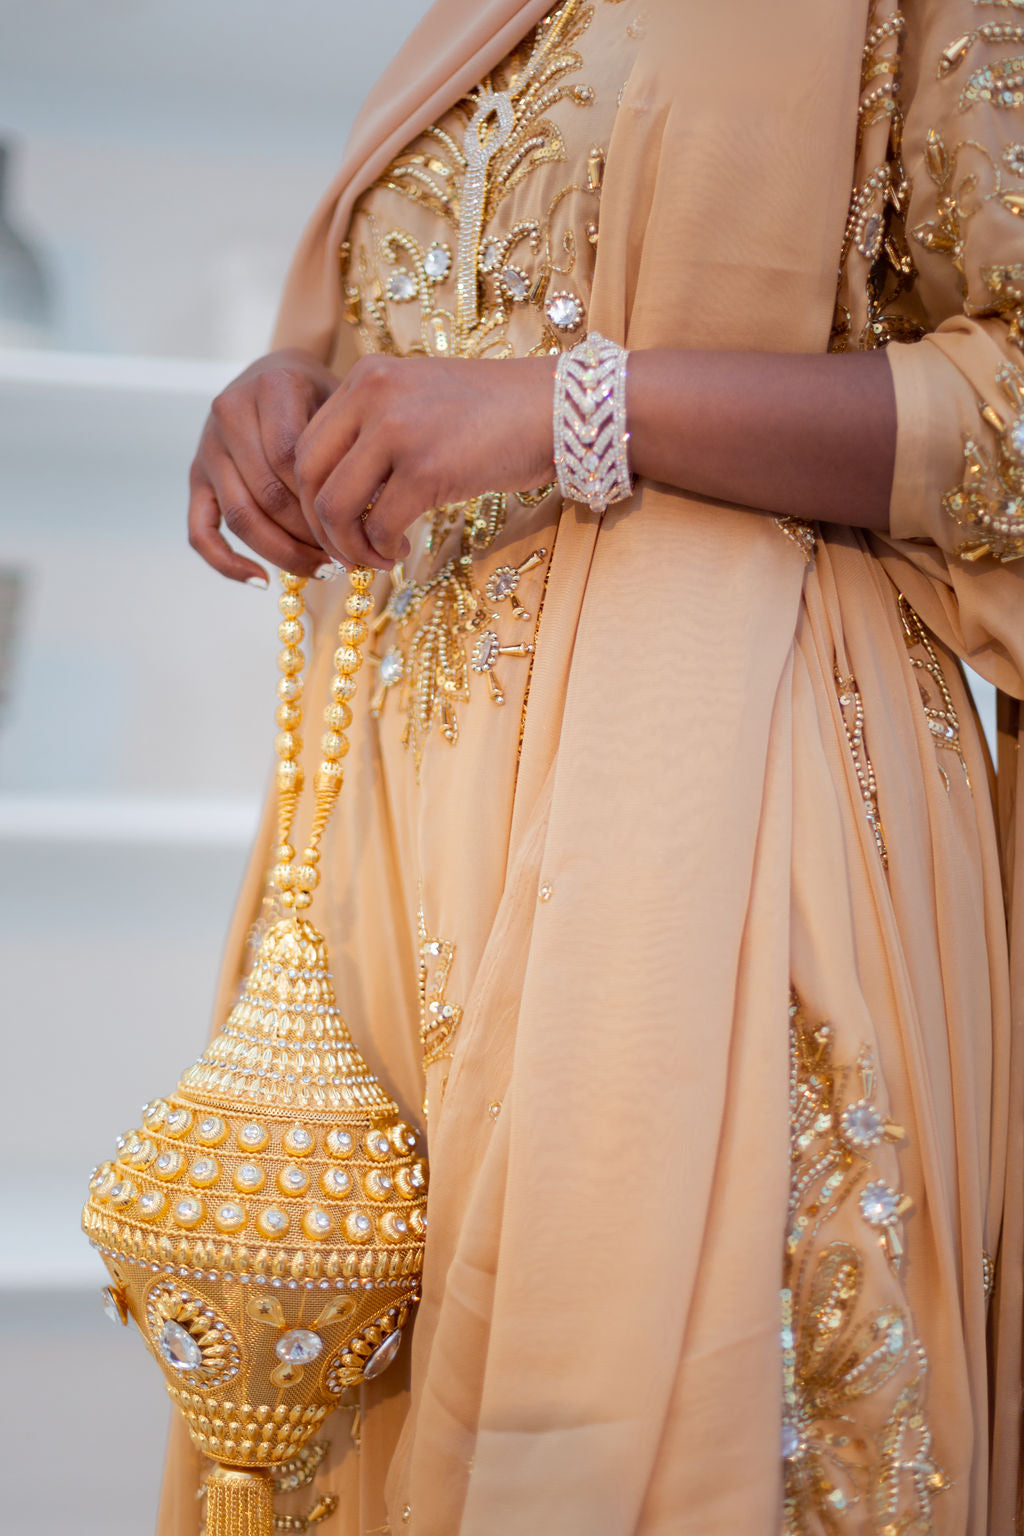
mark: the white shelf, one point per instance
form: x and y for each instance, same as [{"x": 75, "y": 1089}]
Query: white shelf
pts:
[
  {"x": 60, "y": 411},
  {"x": 150, "y": 823},
  {"x": 38, "y": 368}
]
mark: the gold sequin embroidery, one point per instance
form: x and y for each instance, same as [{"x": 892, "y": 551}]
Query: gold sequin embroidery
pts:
[
  {"x": 857, "y": 1451},
  {"x": 940, "y": 710},
  {"x": 988, "y": 503},
  {"x": 439, "y": 1018},
  {"x": 465, "y": 287},
  {"x": 851, "y": 706}
]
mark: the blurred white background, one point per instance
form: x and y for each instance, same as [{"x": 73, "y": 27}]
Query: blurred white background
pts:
[{"x": 162, "y": 159}]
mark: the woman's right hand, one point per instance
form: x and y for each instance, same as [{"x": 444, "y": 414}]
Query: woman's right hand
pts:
[{"x": 243, "y": 474}]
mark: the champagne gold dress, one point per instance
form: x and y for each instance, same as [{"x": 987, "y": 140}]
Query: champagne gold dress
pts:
[{"x": 665, "y": 889}]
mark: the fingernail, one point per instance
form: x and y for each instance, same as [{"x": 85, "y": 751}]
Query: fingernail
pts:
[
  {"x": 325, "y": 572},
  {"x": 257, "y": 581}
]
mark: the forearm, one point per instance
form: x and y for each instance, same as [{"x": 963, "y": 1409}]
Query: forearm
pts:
[{"x": 809, "y": 436}]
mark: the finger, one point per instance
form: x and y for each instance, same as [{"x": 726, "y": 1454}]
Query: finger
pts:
[
  {"x": 235, "y": 433},
  {"x": 341, "y": 503},
  {"x": 253, "y": 527},
  {"x": 209, "y": 543},
  {"x": 330, "y": 435},
  {"x": 396, "y": 509},
  {"x": 285, "y": 405}
]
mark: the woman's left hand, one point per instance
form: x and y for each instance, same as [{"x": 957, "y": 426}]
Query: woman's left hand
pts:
[{"x": 409, "y": 434}]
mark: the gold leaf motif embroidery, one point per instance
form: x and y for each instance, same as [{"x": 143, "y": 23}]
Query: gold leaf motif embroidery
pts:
[
  {"x": 851, "y": 1461},
  {"x": 988, "y": 503},
  {"x": 464, "y": 289},
  {"x": 439, "y": 1018},
  {"x": 940, "y": 711}
]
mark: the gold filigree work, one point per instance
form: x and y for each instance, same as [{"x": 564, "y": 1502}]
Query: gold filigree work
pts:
[
  {"x": 857, "y": 1451},
  {"x": 940, "y": 710}
]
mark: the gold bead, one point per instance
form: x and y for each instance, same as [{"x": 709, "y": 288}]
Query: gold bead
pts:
[
  {"x": 361, "y": 578},
  {"x": 289, "y": 662},
  {"x": 288, "y": 899},
  {"x": 289, "y": 716},
  {"x": 337, "y": 717},
  {"x": 286, "y": 744},
  {"x": 289, "y": 776},
  {"x": 311, "y": 856},
  {"x": 292, "y": 583},
  {"x": 307, "y": 877},
  {"x": 291, "y": 605},
  {"x": 285, "y": 853},
  {"x": 333, "y": 744},
  {"x": 358, "y": 605},
  {"x": 343, "y": 688},
  {"x": 300, "y": 899},
  {"x": 290, "y": 631},
  {"x": 352, "y": 631},
  {"x": 346, "y": 659},
  {"x": 289, "y": 689},
  {"x": 284, "y": 876},
  {"x": 329, "y": 776}
]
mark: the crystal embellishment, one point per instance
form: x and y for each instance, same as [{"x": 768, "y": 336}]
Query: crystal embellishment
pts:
[
  {"x": 401, "y": 286},
  {"x": 879, "y": 1205},
  {"x": 179, "y": 1348},
  {"x": 113, "y": 1306},
  {"x": 382, "y": 1356},
  {"x": 565, "y": 311},
  {"x": 516, "y": 284},
  {"x": 299, "y": 1346},
  {"x": 861, "y": 1125},
  {"x": 437, "y": 263},
  {"x": 392, "y": 666},
  {"x": 339, "y": 1143},
  {"x": 590, "y": 424}
]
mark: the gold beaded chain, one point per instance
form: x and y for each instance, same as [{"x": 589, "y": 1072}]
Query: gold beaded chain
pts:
[{"x": 297, "y": 883}]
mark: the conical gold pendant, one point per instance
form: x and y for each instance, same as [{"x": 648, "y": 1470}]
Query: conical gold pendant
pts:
[{"x": 264, "y": 1226}]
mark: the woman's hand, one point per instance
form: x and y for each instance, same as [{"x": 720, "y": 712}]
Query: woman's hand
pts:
[
  {"x": 243, "y": 474},
  {"x": 402, "y": 435}
]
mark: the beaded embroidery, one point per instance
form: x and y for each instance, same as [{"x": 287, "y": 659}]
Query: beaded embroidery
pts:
[
  {"x": 852, "y": 708},
  {"x": 853, "y": 1459},
  {"x": 940, "y": 711},
  {"x": 446, "y": 628},
  {"x": 439, "y": 1018}
]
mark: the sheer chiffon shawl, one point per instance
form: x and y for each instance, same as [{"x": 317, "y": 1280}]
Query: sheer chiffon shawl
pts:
[{"x": 598, "y": 1249}]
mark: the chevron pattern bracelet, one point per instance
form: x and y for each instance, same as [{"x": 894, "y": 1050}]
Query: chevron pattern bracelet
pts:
[{"x": 591, "y": 438}]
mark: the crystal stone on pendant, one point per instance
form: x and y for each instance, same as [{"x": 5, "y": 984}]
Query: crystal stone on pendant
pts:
[
  {"x": 861, "y": 1125},
  {"x": 337, "y": 1182},
  {"x": 878, "y": 1204},
  {"x": 516, "y": 285},
  {"x": 299, "y": 1346},
  {"x": 565, "y": 311},
  {"x": 252, "y": 1135},
  {"x": 437, "y": 263},
  {"x": 382, "y": 1355},
  {"x": 112, "y": 1306},
  {"x": 401, "y": 286},
  {"x": 179, "y": 1348},
  {"x": 339, "y": 1143},
  {"x": 401, "y": 600}
]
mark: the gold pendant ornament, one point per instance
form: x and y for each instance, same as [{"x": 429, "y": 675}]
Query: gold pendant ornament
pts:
[{"x": 264, "y": 1226}]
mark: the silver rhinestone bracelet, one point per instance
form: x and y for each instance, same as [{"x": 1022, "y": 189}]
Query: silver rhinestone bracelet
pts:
[{"x": 591, "y": 439}]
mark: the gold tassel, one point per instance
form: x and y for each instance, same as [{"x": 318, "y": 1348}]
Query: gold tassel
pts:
[{"x": 239, "y": 1503}]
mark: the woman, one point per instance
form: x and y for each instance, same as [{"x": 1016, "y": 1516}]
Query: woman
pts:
[{"x": 666, "y": 875}]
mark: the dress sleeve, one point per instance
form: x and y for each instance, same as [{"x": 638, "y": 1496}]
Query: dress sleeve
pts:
[{"x": 957, "y": 510}]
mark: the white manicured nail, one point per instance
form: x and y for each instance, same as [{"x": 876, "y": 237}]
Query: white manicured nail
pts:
[
  {"x": 325, "y": 572},
  {"x": 257, "y": 581}
]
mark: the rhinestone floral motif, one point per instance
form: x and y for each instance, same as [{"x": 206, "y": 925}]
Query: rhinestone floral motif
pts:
[
  {"x": 940, "y": 711},
  {"x": 856, "y": 1448},
  {"x": 988, "y": 504}
]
